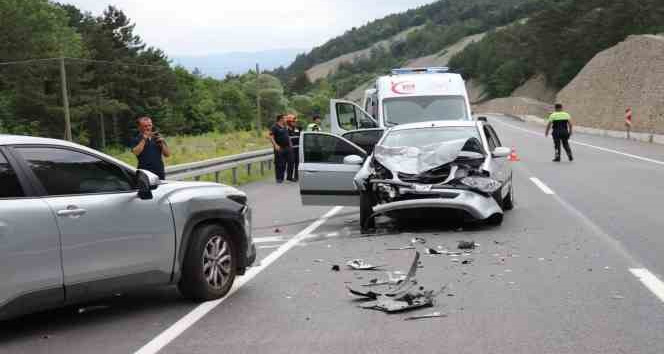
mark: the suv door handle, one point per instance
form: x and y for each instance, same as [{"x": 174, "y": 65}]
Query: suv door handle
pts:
[{"x": 72, "y": 212}]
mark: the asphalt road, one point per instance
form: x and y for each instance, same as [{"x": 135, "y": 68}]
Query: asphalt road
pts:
[{"x": 559, "y": 276}]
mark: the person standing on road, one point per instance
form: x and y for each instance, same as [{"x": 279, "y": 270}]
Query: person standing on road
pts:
[
  {"x": 294, "y": 131},
  {"x": 316, "y": 125},
  {"x": 561, "y": 122},
  {"x": 149, "y": 147},
  {"x": 282, "y": 147}
]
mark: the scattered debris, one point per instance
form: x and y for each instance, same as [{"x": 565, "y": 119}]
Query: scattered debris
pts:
[
  {"x": 617, "y": 297},
  {"x": 92, "y": 308},
  {"x": 430, "y": 315},
  {"x": 607, "y": 268},
  {"x": 456, "y": 260},
  {"x": 360, "y": 264},
  {"x": 351, "y": 221},
  {"x": 319, "y": 260},
  {"x": 466, "y": 245},
  {"x": 432, "y": 251},
  {"x": 277, "y": 230},
  {"x": 402, "y": 248},
  {"x": 336, "y": 268},
  {"x": 590, "y": 269},
  {"x": 541, "y": 259},
  {"x": 467, "y": 261},
  {"x": 392, "y": 280},
  {"x": 418, "y": 240},
  {"x": 400, "y": 297}
]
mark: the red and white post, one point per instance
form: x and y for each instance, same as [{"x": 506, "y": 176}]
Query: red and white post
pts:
[{"x": 628, "y": 121}]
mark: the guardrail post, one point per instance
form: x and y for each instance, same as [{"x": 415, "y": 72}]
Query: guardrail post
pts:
[
  {"x": 248, "y": 169},
  {"x": 269, "y": 164},
  {"x": 234, "y": 176},
  {"x": 197, "y": 178},
  {"x": 216, "y": 177},
  {"x": 262, "y": 168}
]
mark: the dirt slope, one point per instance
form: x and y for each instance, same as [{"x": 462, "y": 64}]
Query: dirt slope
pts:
[
  {"x": 329, "y": 67},
  {"x": 443, "y": 57},
  {"x": 536, "y": 88},
  {"x": 630, "y": 74}
]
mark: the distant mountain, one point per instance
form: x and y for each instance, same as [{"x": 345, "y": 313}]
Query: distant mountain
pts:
[{"x": 218, "y": 65}]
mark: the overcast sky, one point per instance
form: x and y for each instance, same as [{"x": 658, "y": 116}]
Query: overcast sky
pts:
[{"x": 196, "y": 27}]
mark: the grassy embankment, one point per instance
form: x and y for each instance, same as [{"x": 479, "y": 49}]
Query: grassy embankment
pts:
[{"x": 186, "y": 149}]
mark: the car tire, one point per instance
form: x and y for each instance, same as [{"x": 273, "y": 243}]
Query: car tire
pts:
[
  {"x": 495, "y": 219},
  {"x": 508, "y": 201},
  {"x": 367, "y": 220},
  {"x": 210, "y": 264}
]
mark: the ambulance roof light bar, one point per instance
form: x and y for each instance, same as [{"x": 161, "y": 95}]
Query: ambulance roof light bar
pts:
[{"x": 431, "y": 70}]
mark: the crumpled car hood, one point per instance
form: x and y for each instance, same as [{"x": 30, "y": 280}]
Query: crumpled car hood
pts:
[{"x": 413, "y": 160}]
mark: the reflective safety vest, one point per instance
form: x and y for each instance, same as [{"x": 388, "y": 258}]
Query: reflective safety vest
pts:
[{"x": 558, "y": 116}]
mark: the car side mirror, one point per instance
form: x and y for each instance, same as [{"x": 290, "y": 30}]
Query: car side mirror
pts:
[
  {"x": 146, "y": 182},
  {"x": 353, "y": 160},
  {"x": 501, "y": 152}
]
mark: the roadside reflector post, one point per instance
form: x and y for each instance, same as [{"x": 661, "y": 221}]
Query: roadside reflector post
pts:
[
  {"x": 234, "y": 170},
  {"x": 216, "y": 177},
  {"x": 248, "y": 169},
  {"x": 628, "y": 121}
]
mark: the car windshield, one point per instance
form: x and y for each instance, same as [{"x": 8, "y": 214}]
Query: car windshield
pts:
[
  {"x": 402, "y": 110},
  {"x": 428, "y": 136}
]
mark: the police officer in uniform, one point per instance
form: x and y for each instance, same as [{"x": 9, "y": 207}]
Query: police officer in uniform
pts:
[
  {"x": 282, "y": 147},
  {"x": 294, "y": 131},
  {"x": 316, "y": 125},
  {"x": 561, "y": 122}
]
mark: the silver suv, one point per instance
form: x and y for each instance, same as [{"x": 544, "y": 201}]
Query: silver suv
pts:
[{"x": 77, "y": 225}]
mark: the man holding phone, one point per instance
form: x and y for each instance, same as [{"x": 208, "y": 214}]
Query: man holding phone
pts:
[{"x": 149, "y": 147}]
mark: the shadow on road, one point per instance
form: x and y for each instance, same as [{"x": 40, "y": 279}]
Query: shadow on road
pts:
[{"x": 121, "y": 311}]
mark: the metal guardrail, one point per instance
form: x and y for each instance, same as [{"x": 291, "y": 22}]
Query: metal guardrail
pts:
[{"x": 215, "y": 166}]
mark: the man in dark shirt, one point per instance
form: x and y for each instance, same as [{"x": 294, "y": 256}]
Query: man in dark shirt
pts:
[
  {"x": 149, "y": 147},
  {"x": 282, "y": 147},
  {"x": 294, "y": 131}
]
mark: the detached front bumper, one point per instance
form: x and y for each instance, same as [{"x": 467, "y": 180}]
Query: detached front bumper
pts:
[{"x": 478, "y": 206}]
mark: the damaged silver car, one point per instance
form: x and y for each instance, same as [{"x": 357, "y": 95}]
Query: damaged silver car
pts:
[{"x": 451, "y": 167}]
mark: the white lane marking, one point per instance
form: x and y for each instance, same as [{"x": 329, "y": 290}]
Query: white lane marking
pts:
[
  {"x": 637, "y": 157},
  {"x": 167, "y": 336},
  {"x": 542, "y": 186},
  {"x": 650, "y": 281},
  {"x": 268, "y": 247},
  {"x": 268, "y": 239}
]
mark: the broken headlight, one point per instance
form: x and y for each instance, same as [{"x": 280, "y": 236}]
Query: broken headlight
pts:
[
  {"x": 386, "y": 192},
  {"x": 482, "y": 184},
  {"x": 381, "y": 171}
]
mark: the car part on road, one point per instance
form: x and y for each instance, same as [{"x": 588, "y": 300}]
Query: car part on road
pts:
[
  {"x": 430, "y": 315},
  {"x": 336, "y": 268},
  {"x": 360, "y": 264},
  {"x": 210, "y": 265},
  {"x": 466, "y": 245}
]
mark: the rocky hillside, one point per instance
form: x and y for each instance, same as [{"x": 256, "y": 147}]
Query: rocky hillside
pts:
[{"x": 631, "y": 74}]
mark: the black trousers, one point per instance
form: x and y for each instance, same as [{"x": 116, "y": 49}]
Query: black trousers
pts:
[
  {"x": 561, "y": 138},
  {"x": 292, "y": 173},
  {"x": 281, "y": 159}
]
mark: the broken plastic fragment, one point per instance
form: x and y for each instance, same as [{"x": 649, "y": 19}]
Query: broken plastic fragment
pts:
[
  {"x": 336, "y": 268},
  {"x": 359, "y": 264},
  {"x": 433, "y": 251},
  {"x": 418, "y": 240},
  {"x": 467, "y": 261},
  {"x": 466, "y": 245},
  {"x": 430, "y": 315}
]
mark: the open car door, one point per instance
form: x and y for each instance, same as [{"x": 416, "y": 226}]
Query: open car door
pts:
[
  {"x": 328, "y": 165},
  {"x": 365, "y": 138},
  {"x": 346, "y": 116}
]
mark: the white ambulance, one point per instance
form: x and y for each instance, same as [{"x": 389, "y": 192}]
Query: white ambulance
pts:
[{"x": 408, "y": 95}]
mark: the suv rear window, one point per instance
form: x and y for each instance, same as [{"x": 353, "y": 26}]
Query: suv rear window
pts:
[{"x": 10, "y": 187}]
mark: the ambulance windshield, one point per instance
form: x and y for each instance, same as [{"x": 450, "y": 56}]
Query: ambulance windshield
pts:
[{"x": 413, "y": 109}]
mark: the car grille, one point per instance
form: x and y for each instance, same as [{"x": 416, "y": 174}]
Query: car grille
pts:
[{"x": 435, "y": 176}]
